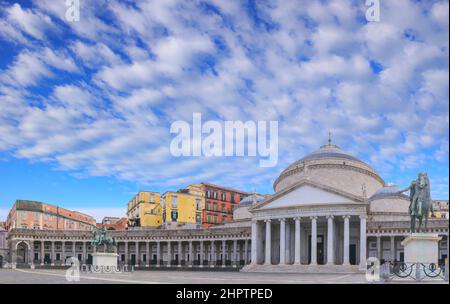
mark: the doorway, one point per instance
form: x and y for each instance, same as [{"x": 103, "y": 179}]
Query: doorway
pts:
[{"x": 352, "y": 254}]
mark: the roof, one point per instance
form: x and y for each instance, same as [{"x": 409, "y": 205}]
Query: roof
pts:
[
  {"x": 224, "y": 188},
  {"x": 248, "y": 200},
  {"x": 326, "y": 151},
  {"x": 388, "y": 191}
]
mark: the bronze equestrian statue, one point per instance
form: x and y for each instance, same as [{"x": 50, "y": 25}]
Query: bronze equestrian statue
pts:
[
  {"x": 420, "y": 201},
  {"x": 100, "y": 238}
]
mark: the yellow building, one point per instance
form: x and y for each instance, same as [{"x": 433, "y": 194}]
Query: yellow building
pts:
[
  {"x": 145, "y": 210},
  {"x": 182, "y": 208}
]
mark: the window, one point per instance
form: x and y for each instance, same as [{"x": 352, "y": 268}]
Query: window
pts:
[
  {"x": 198, "y": 219},
  {"x": 215, "y": 195},
  {"x": 174, "y": 202},
  {"x": 152, "y": 198},
  {"x": 198, "y": 204},
  {"x": 174, "y": 215},
  {"x": 208, "y": 193},
  {"x": 209, "y": 219},
  {"x": 215, "y": 206},
  {"x": 224, "y": 196}
]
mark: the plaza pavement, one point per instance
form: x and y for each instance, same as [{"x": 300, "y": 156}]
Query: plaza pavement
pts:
[{"x": 53, "y": 276}]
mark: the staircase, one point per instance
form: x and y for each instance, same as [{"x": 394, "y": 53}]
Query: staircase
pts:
[{"x": 325, "y": 269}]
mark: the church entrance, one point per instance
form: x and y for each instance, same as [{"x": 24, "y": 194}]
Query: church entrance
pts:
[{"x": 320, "y": 250}]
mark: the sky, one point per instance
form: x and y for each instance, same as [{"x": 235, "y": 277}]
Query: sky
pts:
[{"x": 86, "y": 106}]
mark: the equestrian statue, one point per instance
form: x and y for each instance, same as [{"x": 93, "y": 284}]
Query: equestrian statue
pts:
[
  {"x": 420, "y": 205},
  {"x": 100, "y": 238}
]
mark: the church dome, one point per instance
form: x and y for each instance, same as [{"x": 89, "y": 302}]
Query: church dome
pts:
[
  {"x": 388, "y": 191},
  {"x": 332, "y": 166}
]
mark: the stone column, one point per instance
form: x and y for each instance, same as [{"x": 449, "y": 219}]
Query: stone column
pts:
[
  {"x": 191, "y": 260},
  {"x": 268, "y": 258},
  {"x": 201, "y": 253},
  {"x": 84, "y": 257},
  {"x": 379, "y": 248},
  {"x": 392, "y": 249},
  {"x": 254, "y": 247},
  {"x": 74, "y": 250},
  {"x": 246, "y": 252},
  {"x": 31, "y": 259},
  {"x": 52, "y": 253},
  {"x": 179, "y": 253},
  {"x": 330, "y": 240},
  {"x": 158, "y": 253},
  {"x": 223, "y": 253},
  {"x": 126, "y": 252},
  {"x": 362, "y": 243},
  {"x": 346, "y": 240},
  {"x": 138, "y": 258},
  {"x": 169, "y": 254},
  {"x": 282, "y": 241},
  {"x": 147, "y": 254},
  {"x": 213, "y": 254},
  {"x": 42, "y": 252},
  {"x": 313, "y": 240},
  {"x": 297, "y": 259},
  {"x": 235, "y": 262},
  {"x": 63, "y": 249}
]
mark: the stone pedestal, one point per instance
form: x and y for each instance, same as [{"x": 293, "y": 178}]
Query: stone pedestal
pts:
[
  {"x": 104, "y": 259},
  {"x": 421, "y": 249}
]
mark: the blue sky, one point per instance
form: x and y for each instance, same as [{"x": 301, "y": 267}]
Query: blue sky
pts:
[{"x": 86, "y": 107}]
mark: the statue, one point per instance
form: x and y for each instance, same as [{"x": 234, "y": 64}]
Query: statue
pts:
[
  {"x": 420, "y": 201},
  {"x": 100, "y": 238}
]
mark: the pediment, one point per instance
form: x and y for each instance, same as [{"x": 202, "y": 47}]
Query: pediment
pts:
[{"x": 307, "y": 193}]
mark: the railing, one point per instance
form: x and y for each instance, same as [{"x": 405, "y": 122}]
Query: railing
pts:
[{"x": 415, "y": 271}]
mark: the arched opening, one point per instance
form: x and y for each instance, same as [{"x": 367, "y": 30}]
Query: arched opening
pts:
[{"x": 22, "y": 253}]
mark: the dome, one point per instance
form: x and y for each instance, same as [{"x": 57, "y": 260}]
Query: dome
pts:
[
  {"x": 248, "y": 200},
  {"x": 332, "y": 166},
  {"x": 388, "y": 191}
]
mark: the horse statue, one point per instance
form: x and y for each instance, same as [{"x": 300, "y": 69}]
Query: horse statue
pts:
[
  {"x": 420, "y": 201},
  {"x": 100, "y": 238}
]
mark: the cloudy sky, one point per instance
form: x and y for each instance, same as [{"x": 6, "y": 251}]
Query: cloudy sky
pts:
[{"x": 86, "y": 107}]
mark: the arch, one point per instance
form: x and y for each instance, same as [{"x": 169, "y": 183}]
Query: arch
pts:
[{"x": 22, "y": 249}]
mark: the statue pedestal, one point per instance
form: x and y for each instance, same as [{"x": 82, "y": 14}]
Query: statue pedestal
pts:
[
  {"x": 104, "y": 259},
  {"x": 421, "y": 248}
]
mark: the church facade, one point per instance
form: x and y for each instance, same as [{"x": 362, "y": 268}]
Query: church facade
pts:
[{"x": 330, "y": 212}]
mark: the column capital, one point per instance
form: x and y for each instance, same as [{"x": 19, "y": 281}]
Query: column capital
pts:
[
  {"x": 346, "y": 216},
  {"x": 282, "y": 220},
  {"x": 313, "y": 218},
  {"x": 330, "y": 217},
  {"x": 267, "y": 220},
  {"x": 363, "y": 216},
  {"x": 298, "y": 218}
]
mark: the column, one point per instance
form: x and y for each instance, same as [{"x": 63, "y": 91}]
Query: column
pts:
[
  {"x": 346, "y": 240},
  {"x": 191, "y": 261},
  {"x": 223, "y": 253},
  {"x": 213, "y": 254},
  {"x": 313, "y": 240},
  {"x": 73, "y": 249},
  {"x": 392, "y": 249},
  {"x": 138, "y": 258},
  {"x": 282, "y": 241},
  {"x": 63, "y": 249},
  {"x": 52, "y": 253},
  {"x": 246, "y": 252},
  {"x": 330, "y": 240},
  {"x": 169, "y": 254},
  {"x": 84, "y": 257},
  {"x": 147, "y": 254},
  {"x": 254, "y": 247},
  {"x": 201, "y": 253},
  {"x": 379, "y": 248},
  {"x": 179, "y": 253},
  {"x": 31, "y": 259},
  {"x": 235, "y": 262},
  {"x": 268, "y": 258},
  {"x": 42, "y": 252},
  {"x": 297, "y": 259},
  {"x": 158, "y": 253},
  {"x": 126, "y": 252},
  {"x": 362, "y": 243}
]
